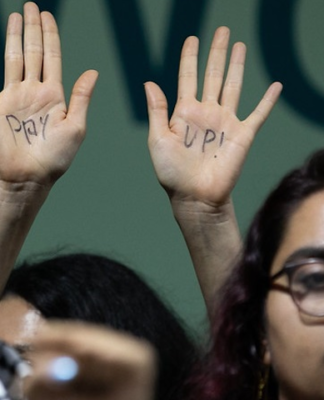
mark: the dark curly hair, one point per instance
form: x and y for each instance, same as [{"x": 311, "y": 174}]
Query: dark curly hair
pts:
[{"x": 235, "y": 360}]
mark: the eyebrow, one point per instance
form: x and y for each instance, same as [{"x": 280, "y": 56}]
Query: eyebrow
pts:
[
  {"x": 306, "y": 252},
  {"x": 22, "y": 348}
]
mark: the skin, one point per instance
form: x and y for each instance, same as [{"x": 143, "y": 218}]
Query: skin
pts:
[
  {"x": 117, "y": 365},
  {"x": 33, "y": 89},
  {"x": 295, "y": 346},
  {"x": 22, "y": 322},
  {"x": 200, "y": 177},
  {"x": 112, "y": 365}
]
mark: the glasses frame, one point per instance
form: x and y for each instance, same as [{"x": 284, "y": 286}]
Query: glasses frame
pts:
[{"x": 289, "y": 268}]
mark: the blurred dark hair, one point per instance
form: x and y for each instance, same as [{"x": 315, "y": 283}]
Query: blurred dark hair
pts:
[
  {"x": 235, "y": 360},
  {"x": 96, "y": 289}
]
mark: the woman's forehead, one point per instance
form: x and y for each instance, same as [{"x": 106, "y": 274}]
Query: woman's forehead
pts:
[
  {"x": 304, "y": 231},
  {"x": 21, "y": 321}
]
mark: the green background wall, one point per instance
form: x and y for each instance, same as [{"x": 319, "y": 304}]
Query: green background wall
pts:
[{"x": 109, "y": 201}]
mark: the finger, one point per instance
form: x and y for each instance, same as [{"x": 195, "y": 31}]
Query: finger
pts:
[
  {"x": 187, "y": 79},
  {"x": 214, "y": 73},
  {"x": 234, "y": 79},
  {"x": 157, "y": 107},
  {"x": 14, "y": 62},
  {"x": 80, "y": 98},
  {"x": 257, "y": 118},
  {"x": 52, "y": 63},
  {"x": 105, "y": 358},
  {"x": 76, "y": 339},
  {"x": 54, "y": 376},
  {"x": 33, "y": 42}
]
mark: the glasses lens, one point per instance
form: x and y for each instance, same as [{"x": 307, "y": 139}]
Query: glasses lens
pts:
[{"x": 307, "y": 286}]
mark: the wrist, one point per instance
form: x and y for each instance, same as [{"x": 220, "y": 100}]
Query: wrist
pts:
[
  {"x": 192, "y": 209},
  {"x": 17, "y": 199}
]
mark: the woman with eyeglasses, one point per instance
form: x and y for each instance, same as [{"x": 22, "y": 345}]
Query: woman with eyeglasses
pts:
[{"x": 269, "y": 327}]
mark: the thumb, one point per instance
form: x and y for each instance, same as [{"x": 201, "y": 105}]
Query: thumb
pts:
[
  {"x": 81, "y": 96},
  {"x": 157, "y": 107}
]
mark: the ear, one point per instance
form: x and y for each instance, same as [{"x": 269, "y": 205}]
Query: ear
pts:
[{"x": 266, "y": 354}]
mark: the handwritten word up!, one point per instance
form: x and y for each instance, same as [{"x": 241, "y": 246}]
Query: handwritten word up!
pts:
[
  {"x": 209, "y": 136},
  {"x": 29, "y": 127}
]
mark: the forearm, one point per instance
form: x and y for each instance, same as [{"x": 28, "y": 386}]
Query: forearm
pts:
[
  {"x": 19, "y": 205},
  {"x": 213, "y": 240}
]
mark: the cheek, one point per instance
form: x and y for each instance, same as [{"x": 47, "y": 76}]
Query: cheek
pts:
[
  {"x": 287, "y": 336},
  {"x": 295, "y": 350}
]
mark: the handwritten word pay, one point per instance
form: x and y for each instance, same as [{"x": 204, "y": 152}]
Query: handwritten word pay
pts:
[{"x": 30, "y": 127}]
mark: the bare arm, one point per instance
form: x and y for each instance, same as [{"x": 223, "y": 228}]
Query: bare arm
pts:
[
  {"x": 198, "y": 155},
  {"x": 214, "y": 242},
  {"x": 39, "y": 134}
]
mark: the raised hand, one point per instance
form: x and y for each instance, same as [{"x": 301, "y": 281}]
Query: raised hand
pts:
[
  {"x": 39, "y": 135},
  {"x": 199, "y": 153}
]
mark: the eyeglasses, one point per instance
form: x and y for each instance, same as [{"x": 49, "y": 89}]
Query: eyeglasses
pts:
[{"x": 306, "y": 284}]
